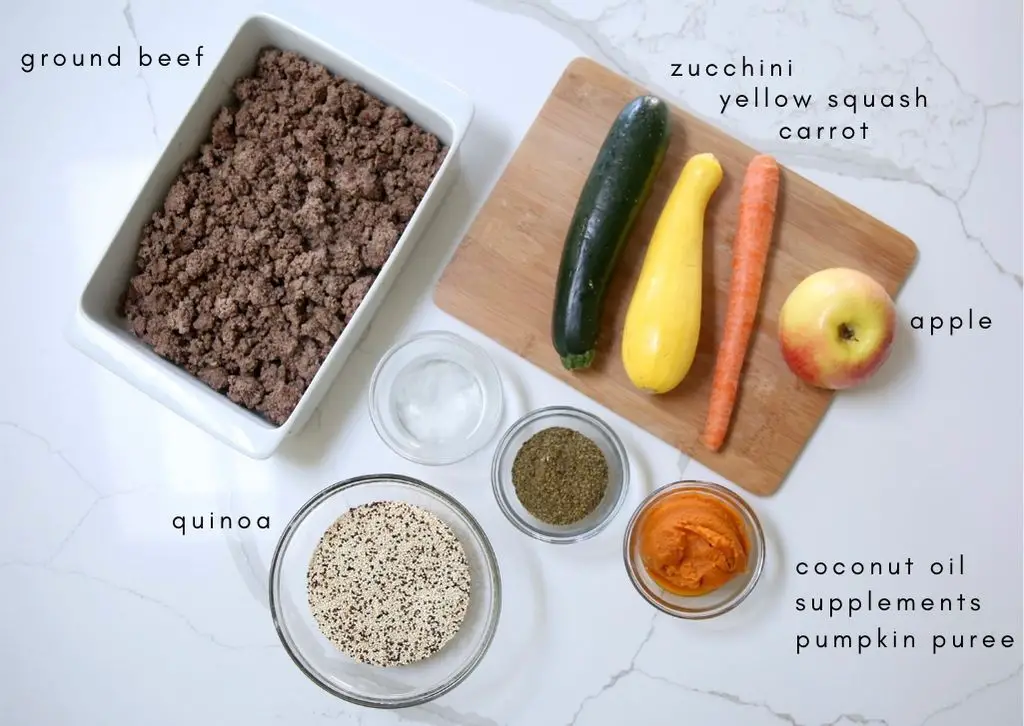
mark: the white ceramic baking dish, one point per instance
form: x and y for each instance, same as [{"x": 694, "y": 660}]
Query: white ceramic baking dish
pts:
[{"x": 99, "y": 331}]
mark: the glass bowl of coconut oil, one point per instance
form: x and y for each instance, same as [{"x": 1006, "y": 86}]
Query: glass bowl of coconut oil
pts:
[{"x": 436, "y": 398}]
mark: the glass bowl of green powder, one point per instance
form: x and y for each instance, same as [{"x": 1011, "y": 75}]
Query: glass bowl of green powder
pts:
[{"x": 560, "y": 474}]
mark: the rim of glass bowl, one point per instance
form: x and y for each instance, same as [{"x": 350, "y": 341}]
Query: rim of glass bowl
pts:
[
  {"x": 505, "y": 443},
  {"x": 750, "y": 518},
  {"x": 492, "y": 567},
  {"x": 473, "y": 349}
]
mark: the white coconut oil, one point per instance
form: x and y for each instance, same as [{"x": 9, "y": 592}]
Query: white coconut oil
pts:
[{"x": 437, "y": 401}]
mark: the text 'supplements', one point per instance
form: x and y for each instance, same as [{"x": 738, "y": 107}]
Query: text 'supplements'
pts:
[{"x": 922, "y": 605}]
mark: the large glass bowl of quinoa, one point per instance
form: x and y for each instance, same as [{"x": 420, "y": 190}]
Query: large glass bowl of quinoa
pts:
[{"x": 385, "y": 591}]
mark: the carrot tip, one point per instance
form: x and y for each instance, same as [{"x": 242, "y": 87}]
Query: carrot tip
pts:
[
  {"x": 765, "y": 159},
  {"x": 712, "y": 444}
]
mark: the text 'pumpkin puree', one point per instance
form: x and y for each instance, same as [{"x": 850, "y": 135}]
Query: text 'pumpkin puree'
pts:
[{"x": 692, "y": 543}]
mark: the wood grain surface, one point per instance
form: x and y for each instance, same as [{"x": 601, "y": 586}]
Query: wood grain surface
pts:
[{"x": 501, "y": 280}]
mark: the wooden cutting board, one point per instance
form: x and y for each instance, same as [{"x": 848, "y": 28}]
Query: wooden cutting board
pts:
[{"x": 501, "y": 280}]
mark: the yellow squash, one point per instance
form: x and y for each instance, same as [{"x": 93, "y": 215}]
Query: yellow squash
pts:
[{"x": 659, "y": 340}]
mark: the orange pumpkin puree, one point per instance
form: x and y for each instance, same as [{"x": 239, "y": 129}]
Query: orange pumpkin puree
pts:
[{"x": 692, "y": 543}]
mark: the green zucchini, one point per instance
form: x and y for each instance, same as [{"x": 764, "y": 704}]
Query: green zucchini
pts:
[{"x": 615, "y": 191}]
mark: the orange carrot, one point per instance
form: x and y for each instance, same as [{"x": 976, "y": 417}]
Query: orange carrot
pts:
[{"x": 749, "y": 255}]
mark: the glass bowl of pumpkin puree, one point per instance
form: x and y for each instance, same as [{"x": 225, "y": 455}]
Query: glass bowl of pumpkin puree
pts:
[{"x": 694, "y": 549}]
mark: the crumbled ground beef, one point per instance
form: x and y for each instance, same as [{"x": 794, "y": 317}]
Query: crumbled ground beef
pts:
[{"x": 273, "y": 233}]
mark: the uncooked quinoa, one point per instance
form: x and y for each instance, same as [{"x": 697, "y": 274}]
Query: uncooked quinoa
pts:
[
  {"x": 389, "y": 583},
  {"x": 272, "y": 234}
]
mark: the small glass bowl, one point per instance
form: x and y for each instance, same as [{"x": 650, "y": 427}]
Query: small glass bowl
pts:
[
  {"x": 415, "y": 403},
  {"x": 712, "y": 604},
  {"x": 328, "y": 667},
  {"x": 588, "y": 425}
]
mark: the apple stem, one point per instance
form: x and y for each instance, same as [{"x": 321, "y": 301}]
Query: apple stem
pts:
[{"x": 846, "y": 332}]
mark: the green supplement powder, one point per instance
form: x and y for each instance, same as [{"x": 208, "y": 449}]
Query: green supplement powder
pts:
[{"x": 560, "y": 475}]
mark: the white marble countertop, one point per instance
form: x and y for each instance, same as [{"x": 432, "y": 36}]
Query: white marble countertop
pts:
[{"x": 110, "y": 616}]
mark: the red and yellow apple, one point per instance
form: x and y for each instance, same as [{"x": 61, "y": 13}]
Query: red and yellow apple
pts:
[{"x": 836, "y": 328}]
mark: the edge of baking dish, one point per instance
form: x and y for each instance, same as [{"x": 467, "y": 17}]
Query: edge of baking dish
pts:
[{"x": 98, "y": 331}]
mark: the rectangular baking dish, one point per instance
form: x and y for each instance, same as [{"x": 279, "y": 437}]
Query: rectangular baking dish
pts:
[{"x": 99, "y": 331}]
